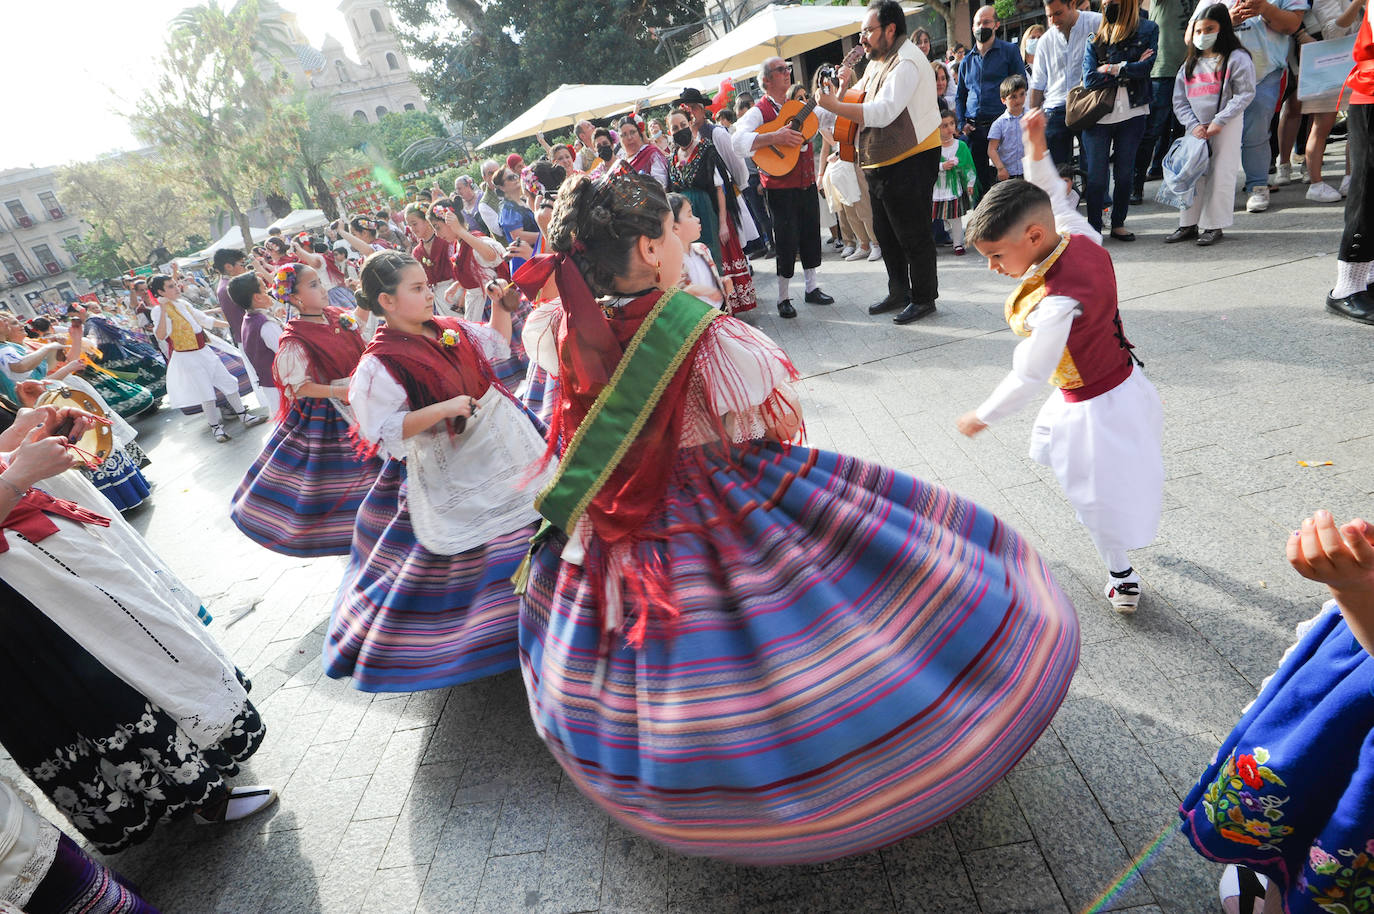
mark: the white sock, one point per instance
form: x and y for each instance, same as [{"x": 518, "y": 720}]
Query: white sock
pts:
[
  {"x": 955, "y": 227},
  {"x": 235, "y": 403},
  {"x": 812, "y": 283},
  {"x": 211, "y": 413},
  {"x": 1350, "y": 278},
  {"x": 783, "y": 282}
]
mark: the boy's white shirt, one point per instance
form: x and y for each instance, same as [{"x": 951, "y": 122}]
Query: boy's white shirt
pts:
[{"x": 1035, "y": 358}]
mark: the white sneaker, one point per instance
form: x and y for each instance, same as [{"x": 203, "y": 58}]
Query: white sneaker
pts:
[
  {"x": 1284, "y": 175},
  {"x": 1345, "y": 186},
  {"x": 1259, "y": 200},
  {"x": 858, "y": 254},
  {"x": 848, "y": 249},
  {"x": 1123, "y": 593},
  {"x": 1321, "y": 192},
  {"x": 876, "y": 253}
]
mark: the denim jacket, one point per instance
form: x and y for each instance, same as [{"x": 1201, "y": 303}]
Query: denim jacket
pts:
[{"x": 1135, "y": 76}]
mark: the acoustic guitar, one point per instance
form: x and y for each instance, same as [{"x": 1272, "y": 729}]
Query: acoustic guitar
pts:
[
  {"x": 795, "y": 115},
  {"x": 847, "y": 131}
]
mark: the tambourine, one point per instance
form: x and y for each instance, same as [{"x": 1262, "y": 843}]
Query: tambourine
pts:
[{"x": 94, "y": 447}]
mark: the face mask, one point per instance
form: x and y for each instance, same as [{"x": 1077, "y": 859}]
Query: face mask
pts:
[
  {"x": 983, "y": 35},
  {"x": 1031, "y": 45},
  {"x": 1111, "y": 12},
  {"x": 605, "y": 152},
  {"x": 683, "y": 137},
  {"x": 1204, "y": 42}
]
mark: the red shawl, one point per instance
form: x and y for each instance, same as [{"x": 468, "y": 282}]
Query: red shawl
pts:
[
  {"x": 428, "y": 370},
  {"x": 434, "y": 255},
  {"x": 29, "y": 518},
  {"x": 332, "y": 350},
  {"x": 1361, "y": 78},
  {"x": 648, "y": 155},
  {"x": 468, "y": 272}
]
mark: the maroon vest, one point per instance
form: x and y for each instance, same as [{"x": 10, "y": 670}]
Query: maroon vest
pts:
[
  {"x": 1097, "y": 343},
  {"x": 804, "y": 174},
  {"x": 257, "y": 352}
]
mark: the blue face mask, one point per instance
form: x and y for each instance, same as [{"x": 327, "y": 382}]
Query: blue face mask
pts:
[{"x": 1031, "y": 44}]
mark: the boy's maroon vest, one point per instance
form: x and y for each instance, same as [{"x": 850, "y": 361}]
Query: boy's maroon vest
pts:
[
  {"x": 257, "y": 351},
  {"x": 804, "y": 174}
]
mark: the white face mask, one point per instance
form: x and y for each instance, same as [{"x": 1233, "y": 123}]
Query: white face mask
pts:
[
  {"x": 1204, "y": 42},
  {"x": 1031, "y": 44}
]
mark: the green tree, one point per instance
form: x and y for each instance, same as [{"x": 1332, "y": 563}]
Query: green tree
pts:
[
  {"x": 391, "y": 135},
  {"x": 323, "y": 139},
  {"x": 98, "y": 256},
  {"x": 216, "y": 113},
  {"x": 482, "y": 75},
  {"x": 134, "y": 201}
]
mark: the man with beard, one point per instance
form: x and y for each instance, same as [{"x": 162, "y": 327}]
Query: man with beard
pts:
[
  {"x": 792, "y": 198},
  {"x": 899, "y": 151}
]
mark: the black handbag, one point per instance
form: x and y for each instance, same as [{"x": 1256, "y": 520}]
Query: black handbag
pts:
[{"x": 1085, "y": 107}]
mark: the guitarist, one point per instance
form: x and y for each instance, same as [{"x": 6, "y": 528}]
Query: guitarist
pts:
[
  {"x": 792, "y": 199},
  {"x": 899, "y": 151}
]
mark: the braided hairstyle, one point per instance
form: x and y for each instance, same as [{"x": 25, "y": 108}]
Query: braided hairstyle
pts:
[
  {"x": 598, "y": 222},
  {"x": 381, "y": 275}
]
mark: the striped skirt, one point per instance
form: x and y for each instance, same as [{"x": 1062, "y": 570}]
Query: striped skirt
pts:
[
  {"x": 855, "y": 655},
  {"x": 77, "y": 884},
  {"x": 510, "y": 372},
  {"x": 342, "y": 297},
  {"x": 301, "y": 496},
  {"x": 539, "y": 394},
  {"x": 405, "y": 619}
]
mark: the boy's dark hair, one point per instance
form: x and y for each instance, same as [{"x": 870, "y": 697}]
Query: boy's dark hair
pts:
[
  {"x": 947, "y": 112},
  {"x": 1003, "y": 208},
  {"x": 242, "y": 288},
  {"x": 890, "y": 12},
  {"x": 725, "y": 117},
  {"x": 599, "y": 132},
  {"x": 1011, "y": 84},
  {"x": 226, "y": 256}
]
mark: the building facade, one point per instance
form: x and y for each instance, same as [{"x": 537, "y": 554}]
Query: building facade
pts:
[
  {"x": 35, "y": 265},
  {"x": 371, "y": 83}
]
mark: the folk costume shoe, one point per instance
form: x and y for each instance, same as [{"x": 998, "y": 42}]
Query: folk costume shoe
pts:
[
  {"x": 914, "y": 312},
  {"x": 1358, "y": 306},
  {"x": 891, "y": 303},
  {"x": 785, "y": 308},
  {"x": 817, "y": 297}
]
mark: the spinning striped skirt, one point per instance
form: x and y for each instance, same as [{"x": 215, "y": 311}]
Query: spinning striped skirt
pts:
[
  {"x": 539, "y": 394},
  {"x": 511, "y": 371},
  {"x": 855, "y": 655},
  {"x": 406, "y": 619},
  {"x": 302, "y": 494}
]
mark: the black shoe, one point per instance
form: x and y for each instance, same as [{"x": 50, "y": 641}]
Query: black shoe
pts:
[
  {"x": 817, "y": 297},
  {"x": 1182, "y": 233},
  {"x": 1357, "y": 306},
  {"x": 1209, "y": 238},
  {"x": 1137, "y": 196},
  {"x": 785, "y": 308},
  {"x": 1124, "y": 236},
  {"x": 1154, "y": 174},
  {"x": 914, "y": 312},
  {"x": 759, "y": 254},
  {"x": 891, "y": 303}
]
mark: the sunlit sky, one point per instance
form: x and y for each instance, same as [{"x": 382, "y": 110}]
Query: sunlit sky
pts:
[{"x": 73, "y": 69}]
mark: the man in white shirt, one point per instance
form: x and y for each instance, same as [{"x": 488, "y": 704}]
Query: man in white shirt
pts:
[
  {"x": 1059, "y": 68},
  {"x": 899, "y": 150}
]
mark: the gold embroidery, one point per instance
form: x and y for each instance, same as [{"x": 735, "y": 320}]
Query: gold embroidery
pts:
[
  {"x": 1026, "y": 298},
  {"x": 183, "y": 334}
]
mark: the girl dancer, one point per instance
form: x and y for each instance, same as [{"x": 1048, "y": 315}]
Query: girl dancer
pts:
[
  {"x": 302, "y": 494},
  {"x": 739, "y": 647},
  {"x": 426, "y": 601}
]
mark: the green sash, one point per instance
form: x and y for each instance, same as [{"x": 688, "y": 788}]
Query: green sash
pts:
[{"x": 652, "y": 358}]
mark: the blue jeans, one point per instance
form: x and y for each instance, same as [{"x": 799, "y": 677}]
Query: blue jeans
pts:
[
  {"x": 1058, "y": 137},
  {"x": 1114, "y": 146},
  {"x": 1159, "y": 129},
  {"x": 1254, "y": 138}
]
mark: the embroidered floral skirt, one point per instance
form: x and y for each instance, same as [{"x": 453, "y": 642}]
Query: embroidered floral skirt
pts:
[
  {"x": 113, "y": 763},
  {"x": 119, "y": 479},
  {"x": 836, "y": 655},
  {"x": 124, "y": 397},
  {"x": 1291, "y": 792}
]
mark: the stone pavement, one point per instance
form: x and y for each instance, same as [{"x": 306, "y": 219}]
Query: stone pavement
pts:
[{"x": 447, "y": 802}]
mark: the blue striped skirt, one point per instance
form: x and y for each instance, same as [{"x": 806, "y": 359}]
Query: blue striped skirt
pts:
[
  {"x": 856, "y": 654},
  {"x": 405, "y": 619},
  {"x": 1291, "y": 791},
  {"x": 539, "y": 394},
  {"x": 302, "y": 494}
]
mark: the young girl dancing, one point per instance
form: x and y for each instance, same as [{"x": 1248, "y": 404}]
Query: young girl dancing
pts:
[
  {"x": 427, "y": 601},
  {"x": 739, "y": 647},
  {"x": 301, "y": 496}
]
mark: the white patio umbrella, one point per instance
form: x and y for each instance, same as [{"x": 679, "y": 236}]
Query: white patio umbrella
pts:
[
  {"x": 777, "y": 30},
  {"x": 299, "y": 220},
  {"x": 564, "y": 107}
]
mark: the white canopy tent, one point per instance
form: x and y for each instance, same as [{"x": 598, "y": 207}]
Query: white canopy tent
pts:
[
  {"x": 232, "y": 239},
  {"x": 777, "y": 30},
  {"x": 565, "y": 106},
  {"x": 300, "y": 220}
]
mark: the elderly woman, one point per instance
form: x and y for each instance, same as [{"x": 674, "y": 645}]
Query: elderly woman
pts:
[{"x": 118, "y": 704}]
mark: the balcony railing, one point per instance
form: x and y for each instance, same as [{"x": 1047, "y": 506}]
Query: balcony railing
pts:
[
  {"x": 25, "y": 221},
  {"x": 57, "y": 213}
]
